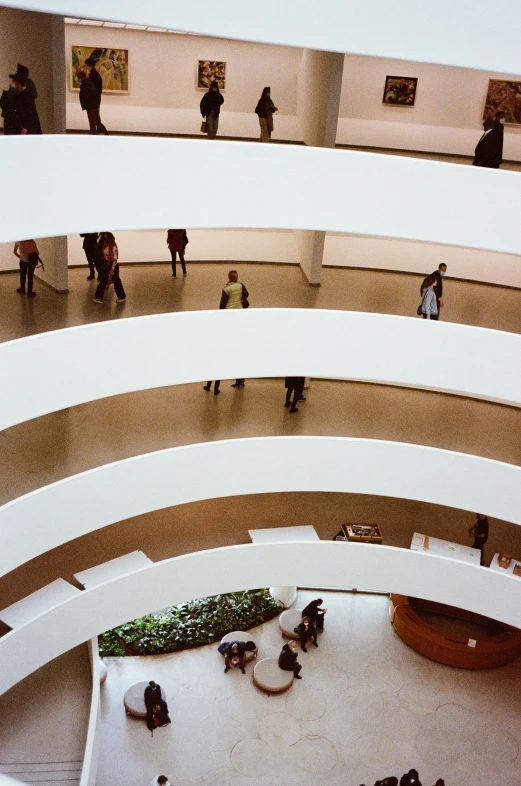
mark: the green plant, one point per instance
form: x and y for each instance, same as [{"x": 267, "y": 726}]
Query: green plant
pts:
[{"x": 190, "y": 624}]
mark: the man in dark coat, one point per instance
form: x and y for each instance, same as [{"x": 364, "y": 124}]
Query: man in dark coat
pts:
[
  {"x": 288, "y": 659},
  {"x": 480, "y": 533},
  {"x": 89, "y": 100},
  {"x": 26, "y": 120},
  {"x": 234, "y": 653},
  {"x": 438, "y": 286},
  {"x": 294, "y": 385},
  {"x": 97, "y": 81},
  {"x": 210, "y": 107},
  {"x": 315, "y": 614},
  {"x": 489, "y": 150},
  {"x": 90, "y": 244},
  {"x": 410, "y": 778},
  {"x": 156, "y": 706},
  {"x": 306, "y": 630}
]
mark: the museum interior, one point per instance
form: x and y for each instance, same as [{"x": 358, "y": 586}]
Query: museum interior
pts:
[{"x": 140, "y": 500}]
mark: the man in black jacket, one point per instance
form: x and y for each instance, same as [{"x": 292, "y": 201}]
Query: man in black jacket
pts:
[
  {"x": 25, "y": 116},
  {"x": 489, "y": 150},
  {"x": 288, "y": 659},
  {"x": 438, "y": 286},
  {"x": 89, "y": 100},
  {"x": 96, "y": 80},
  {"x": 90, "y": 244}
]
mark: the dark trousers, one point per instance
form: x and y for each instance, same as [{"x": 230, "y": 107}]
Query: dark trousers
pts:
[
  {"x": 181, "y": 259},
  {"x": 90, "y": 253},
  {"x": 297, "y": 389},
  {"x": 27, "y": 272},
  {"x": 95, "y": 124},
  {"x": 104, "y": 281},
  {"x": 479, "y": 544},
  {"x": 304, "y": 637},
  {"x": 216, "y": 385},
  {"x": 433, "y": 316},
  {"x": 296, "y": 669}
]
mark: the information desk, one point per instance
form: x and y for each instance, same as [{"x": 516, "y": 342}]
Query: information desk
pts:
[
  {"x": 362, "y": 533},
  {"x": 443, "y": 548},
  {"x": 514, "y": 568},
  {"x": 463, "y": 653}
]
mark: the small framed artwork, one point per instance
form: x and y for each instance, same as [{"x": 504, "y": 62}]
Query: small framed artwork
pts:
[
  {"x": 400, "y": 90},
  {"x": 209, "y": 71},
  {"x": 111, "y": 64},
  {"x": 503, "y": 96}
]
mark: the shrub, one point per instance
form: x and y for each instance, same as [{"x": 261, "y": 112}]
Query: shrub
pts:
[{"x": 190, "y": 624}]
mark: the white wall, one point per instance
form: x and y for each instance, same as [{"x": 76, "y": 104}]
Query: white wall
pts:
[
  {"x": 266, "y": 342},
  {"x": 50, "y": 516},
  {"x": 446, "y": 116},
  {"x": 163, "y": 97},
  {"x": 319, "y": 564}
]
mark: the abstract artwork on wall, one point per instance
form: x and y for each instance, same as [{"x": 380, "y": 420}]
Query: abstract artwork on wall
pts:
[
  {"x": 209, "y": 71},
  {"x": 503, "y": 96},
  {"x": 111, "y": 64},
  {"x": 400, "y": 90}
]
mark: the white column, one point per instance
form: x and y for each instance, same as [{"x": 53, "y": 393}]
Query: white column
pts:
[{"x": 318, "y": 102}]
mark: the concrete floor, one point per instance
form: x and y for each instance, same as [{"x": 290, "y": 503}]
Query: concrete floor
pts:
[{"x": 367, "y": 707}]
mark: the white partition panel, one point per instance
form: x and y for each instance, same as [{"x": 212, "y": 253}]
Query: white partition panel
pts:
[
  {"x": 92, "y": 743},
  {"x": 241, "y": 567},
  {"x": 452, "y": 33},
  {"x": 50, "y": 371},
  {"x": 266, "y": 186},
  {"x": 83, "y": 503}
]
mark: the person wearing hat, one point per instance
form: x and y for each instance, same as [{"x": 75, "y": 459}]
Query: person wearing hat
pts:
[
  {"x": 26, "y": 120},
  {"x": 95, "y": 78},
  {"x": 29, "y": 84}
]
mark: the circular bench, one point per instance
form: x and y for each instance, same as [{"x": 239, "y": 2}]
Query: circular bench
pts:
[
  {"x": 241, "y": 635},
  {"x": 268, "y": 676},
  {"x": 134, "y": 699},
  {"x": 288, "y": 621}
]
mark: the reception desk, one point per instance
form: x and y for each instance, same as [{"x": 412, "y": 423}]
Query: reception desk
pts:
[{"x": 483, "y": 653}]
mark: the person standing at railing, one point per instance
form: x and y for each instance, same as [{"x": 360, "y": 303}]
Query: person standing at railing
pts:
[{"x": 265, "y": 109}]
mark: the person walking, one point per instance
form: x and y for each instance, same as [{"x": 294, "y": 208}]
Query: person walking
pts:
[
  {"x": 177, "y": 241},
  {"x": 25, "y": 115},
  {"x": 234, "y": 295},
  {"x": 210, "y": 107},
  {"x": 489, "y": 150},
  {"x": 27, "y": 252},
  {"x": 438, "y": 286},
  {"x": 109, "y": 272},
  {"x": 294, "y": 385},
  {"x": 90, "y": 244},
  {"x": 480, "y": 533},
  {"x": 429, "y": 307},
  {"x": 265, "y": 109},
  {"x": 97, "y": 81},
  {"x": 288, "y": 659}
]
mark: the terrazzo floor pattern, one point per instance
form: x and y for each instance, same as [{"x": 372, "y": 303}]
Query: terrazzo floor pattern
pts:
[{"x": 368, "y": 706}]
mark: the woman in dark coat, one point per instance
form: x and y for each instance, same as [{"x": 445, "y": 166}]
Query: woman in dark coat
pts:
[
  {"x": 177, "y": 240},
  {"x": 265, "y": 109},
  {"x": 210, "y": 105},
  {"x": 156, "y": 706},
  {"x": 288, "y": 659},
  {"x": 306, "y": 630}
]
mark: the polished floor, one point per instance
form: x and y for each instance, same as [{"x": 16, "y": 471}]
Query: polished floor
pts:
[
  {"x": 367, "y": 707},
  {"x": 76, "y": 439}
]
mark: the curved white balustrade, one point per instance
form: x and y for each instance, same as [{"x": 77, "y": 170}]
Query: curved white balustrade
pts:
[
  {"x": 51, "y": 371},
  {"x": 266, "y": 186},
  {"x": 241, "y": 567},
  {"x": 446, "y": 32},
  {"x": 83, "y": 503}
]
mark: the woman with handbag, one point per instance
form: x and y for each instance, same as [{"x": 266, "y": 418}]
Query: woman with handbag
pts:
[
  {"x": 109, "y": 272},
  {"x": 265, "y": 110},
  {"x": 429, "y": 305},
  {"x": 210, "y": 107}
]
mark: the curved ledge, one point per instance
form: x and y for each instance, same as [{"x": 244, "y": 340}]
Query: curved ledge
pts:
[
  {"x": 412, "y": 31},
  {"x": 53, "y": 515},
  {"x": 453, "y": 650},
  {"x": 51, "y": 371},
  {"x": 266, "y": 186},
  {"x": 239, "y": 567}
]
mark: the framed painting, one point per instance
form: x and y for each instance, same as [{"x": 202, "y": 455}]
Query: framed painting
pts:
[
  {"x": 503, "y": 96},
  {"x": 209, "y": 71},
  {"x": 111, "y": 64},
  {"x": 400, "y": 90}
]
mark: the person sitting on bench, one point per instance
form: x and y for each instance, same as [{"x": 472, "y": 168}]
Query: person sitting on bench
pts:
[
  {"x": 315, "y": 614},
  {"x": 235, "y": 653},
  {"x": 306, "y": 630},
  {"x": 288, "y": 659}
]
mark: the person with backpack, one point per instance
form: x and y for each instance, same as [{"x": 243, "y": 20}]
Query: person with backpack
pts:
[{"x": 108, "y": 268}]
